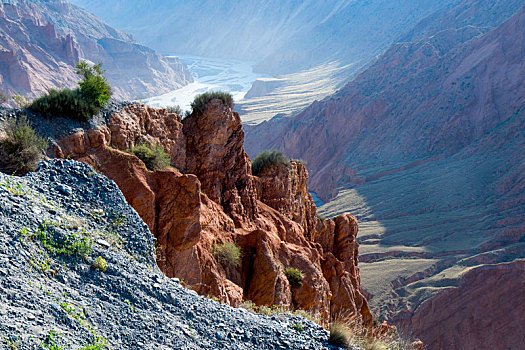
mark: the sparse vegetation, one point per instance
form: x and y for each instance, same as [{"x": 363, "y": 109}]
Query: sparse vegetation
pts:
[
  {"x": 50, "y": 341},
  {"x": 271, "y": 310},
  {"x": 294, "y": 276},
  {"x": 227, "y": 254},
  {"x": 352, "y": 332},
  {"x": 15, "y": 188},
  {"x": 340, "y": 335},
  {"x": 22, "y": 149},
  {"x": 93, "y": 84},
  {"x": 153, "y": 156},
  {"x": 248, "y": 305},
  {"x": 58, "y": 242},
  {"x": 64, "y": 103},
  {"x": 21, "y": 101},
  {"x": 200, "y": 101},
  {"x": 174, "y": 109},
  {"x": 81, "y": 103},
  {"x": 298, "y": 327},
  {"x": 3, "y": 98},
  {"x": 100, "y": 264},
  {"x": 13, "y": 344},
  {"x": 269, "y": 158}
]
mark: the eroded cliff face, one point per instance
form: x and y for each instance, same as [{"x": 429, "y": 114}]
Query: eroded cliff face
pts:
[
  {"x": 41, "y": 41},
  {"x": 211, "y": 197},
  {"x": 427, "y": 149}
]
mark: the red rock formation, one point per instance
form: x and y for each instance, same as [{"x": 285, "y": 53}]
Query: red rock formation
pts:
[
  {"x": 490, "y": 297},
  {"x": 427, "y": 147},
  {"x": 216, "y": 199}
]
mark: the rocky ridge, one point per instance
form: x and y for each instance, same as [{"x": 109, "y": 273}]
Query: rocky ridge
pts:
[
  {"x": 42, "y": 41},
  {"x": 131, "y": 304},
  {"x": 210, "y": 197}
]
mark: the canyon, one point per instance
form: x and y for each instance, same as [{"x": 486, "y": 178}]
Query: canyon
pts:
[
  {"x": 425, "y": 148},
  {"x": 293, "y": 41},
  {"x": 42, "y": 41},
  {"x": 410, "y": 120},
  {"x": 211, "y": 197}
]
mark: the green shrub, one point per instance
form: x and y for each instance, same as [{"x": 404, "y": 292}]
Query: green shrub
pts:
[
  {"x": 269, "y": 158},
  {"x": 100, "y": 264},
  {"x": 340, "y": 335},
  {"x": 248, "y": 305},
  {"x": 200, "y": 101},
  {"x": 174, "y": 109},
  {"x": 153, "y": 156},
  {"x": 227, "y": 254},
  {"x": 22, "y": 149},
  {"x": 65, "y": 103},
  {"x": 21, "y": 101},
  {"x": 294, "y": 276},
  {"x": 79, "y": 104},
  {"x": 93, "y": 84}
]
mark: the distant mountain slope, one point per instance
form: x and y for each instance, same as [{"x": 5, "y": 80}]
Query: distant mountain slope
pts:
[
  {"x": 285, "y": 36},
  {"x": 41, "y": 41},
  {"x": 427, "y": 148}
]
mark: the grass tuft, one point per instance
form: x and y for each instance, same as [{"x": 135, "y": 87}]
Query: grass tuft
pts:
[
  {"x": 200, "y": 101},
  {"x": 269, "y": 158},
  {"x": 153, "y": 156},
  {"x": 340, "y": 335},
  {"x": 227, "y": 254},
  {"x": 22, "y": 149}
]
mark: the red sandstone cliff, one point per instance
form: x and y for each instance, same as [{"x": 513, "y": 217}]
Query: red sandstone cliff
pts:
[{"x": 212, "y": 197}]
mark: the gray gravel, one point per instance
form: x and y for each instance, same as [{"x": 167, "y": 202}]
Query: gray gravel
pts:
[{"x": 132, "y": 305}]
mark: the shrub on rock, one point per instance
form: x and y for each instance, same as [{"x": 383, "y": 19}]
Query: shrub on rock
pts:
[
  {"x": 294, "y": 276},
  {"x": 153, "y": 156},
  {"x": 22, "y": 149},
  {"x": 79, "y": 104},
  {"x": 269, "y": 158},
  {"x": 200, "y": 101},
  {"x": 227, "y": 254}
]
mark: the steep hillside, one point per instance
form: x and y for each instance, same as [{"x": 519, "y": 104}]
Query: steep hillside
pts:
[
  {"x": 426, "y": 147},
  {"x": 42, "y": 40},
  {"x": 78, "y": 271},
  {"x": 287, "y": 36}
]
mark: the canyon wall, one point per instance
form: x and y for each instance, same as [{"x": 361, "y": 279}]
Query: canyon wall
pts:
[
  {"x": 282, "y": 36},
  {"x": 426, "y": 148},
  {"x": 211, "y": 197}
]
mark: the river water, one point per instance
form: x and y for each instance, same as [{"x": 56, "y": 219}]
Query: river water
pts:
[{"x": 209, "y": 74}]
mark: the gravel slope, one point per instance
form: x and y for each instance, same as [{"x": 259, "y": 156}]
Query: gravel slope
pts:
[{"x": 48, "y": 297}]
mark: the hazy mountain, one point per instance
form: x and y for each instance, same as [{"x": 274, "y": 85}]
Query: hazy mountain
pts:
[
  {"x": 427, "y": 148},
  {"x": 283, "y": 36},
  {"x": 41, "y": 41}
]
